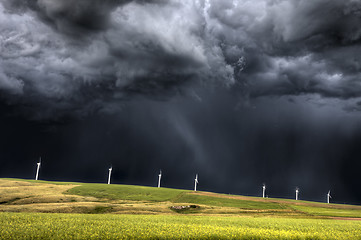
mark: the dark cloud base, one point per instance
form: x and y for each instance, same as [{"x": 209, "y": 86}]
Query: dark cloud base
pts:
[{"x": 233, "y": 151}]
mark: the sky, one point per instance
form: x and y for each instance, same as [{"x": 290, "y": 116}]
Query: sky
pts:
[{"x": 243, "y": 93}]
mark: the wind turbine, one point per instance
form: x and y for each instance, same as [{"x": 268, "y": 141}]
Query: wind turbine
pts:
[
  {"x": 110, "y": 173},
  {"x": 37, "y": 169},
  {"x": 297, "y": 191},
  {"x": 264, "y": 190},
  {"x": 159, "y": 177},
  {"x": 328, "y": 196},
  {"x": 195, "y": 183}
]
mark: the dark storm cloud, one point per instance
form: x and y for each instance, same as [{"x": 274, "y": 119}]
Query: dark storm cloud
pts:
[
  {"x": 70, "y": 16},
  {"x": 293, "y": 66},
  {"x": 294, "y": 47},
  {"x": 90, "y": 55}
]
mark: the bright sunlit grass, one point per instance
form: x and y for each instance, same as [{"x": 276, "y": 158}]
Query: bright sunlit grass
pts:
[
  {"x": 126, "y": 192},
  {"x": 329, "y": 211},
  {"x": 39, "y": 210},
  {"x": 227, "y": 202},
  {"x": 105, "y": 226}
]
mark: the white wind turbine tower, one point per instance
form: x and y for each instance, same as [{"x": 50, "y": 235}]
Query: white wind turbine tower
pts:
[
  {"x": 297, "y": 191},
  {"x": 37, "y": 169},
  {"x": 195, "y": 183},
  {"x": 328, "y": 196},
  {"x": 264, "y": 190},
  {"x": 159, "y": 177},
  {"x": 110, "y": 173}
]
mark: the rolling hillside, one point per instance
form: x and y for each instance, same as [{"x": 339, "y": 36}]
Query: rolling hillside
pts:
[
  {"x": 19, "y": 195},
  {"x": 59, "y": 210}
]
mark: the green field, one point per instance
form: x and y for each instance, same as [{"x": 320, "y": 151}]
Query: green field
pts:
[
  {"x": 126, "y": 192},
  {"x": 331, "y": 212},
  {"x": 108, "y": 226},
  {"x": 59, "y": 210},
  {"x": 227, "y": 202}
]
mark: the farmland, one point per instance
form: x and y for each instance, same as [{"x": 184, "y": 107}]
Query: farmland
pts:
[
  {"x": 108, "y": 226},
  {"x": 56, "y": 210}
]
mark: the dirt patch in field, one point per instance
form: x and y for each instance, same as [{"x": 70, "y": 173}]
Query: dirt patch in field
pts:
[
  {"x": 346, "y": 218},
  {"x": 70, "y": 207}
]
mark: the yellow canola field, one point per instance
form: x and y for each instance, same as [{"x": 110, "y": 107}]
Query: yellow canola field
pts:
[{"x": 111, "y": 226}]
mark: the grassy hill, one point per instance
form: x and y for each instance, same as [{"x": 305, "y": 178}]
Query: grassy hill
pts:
[
  {"x": 66, "y": 210},
  {"x": 19, "y": 195}
]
